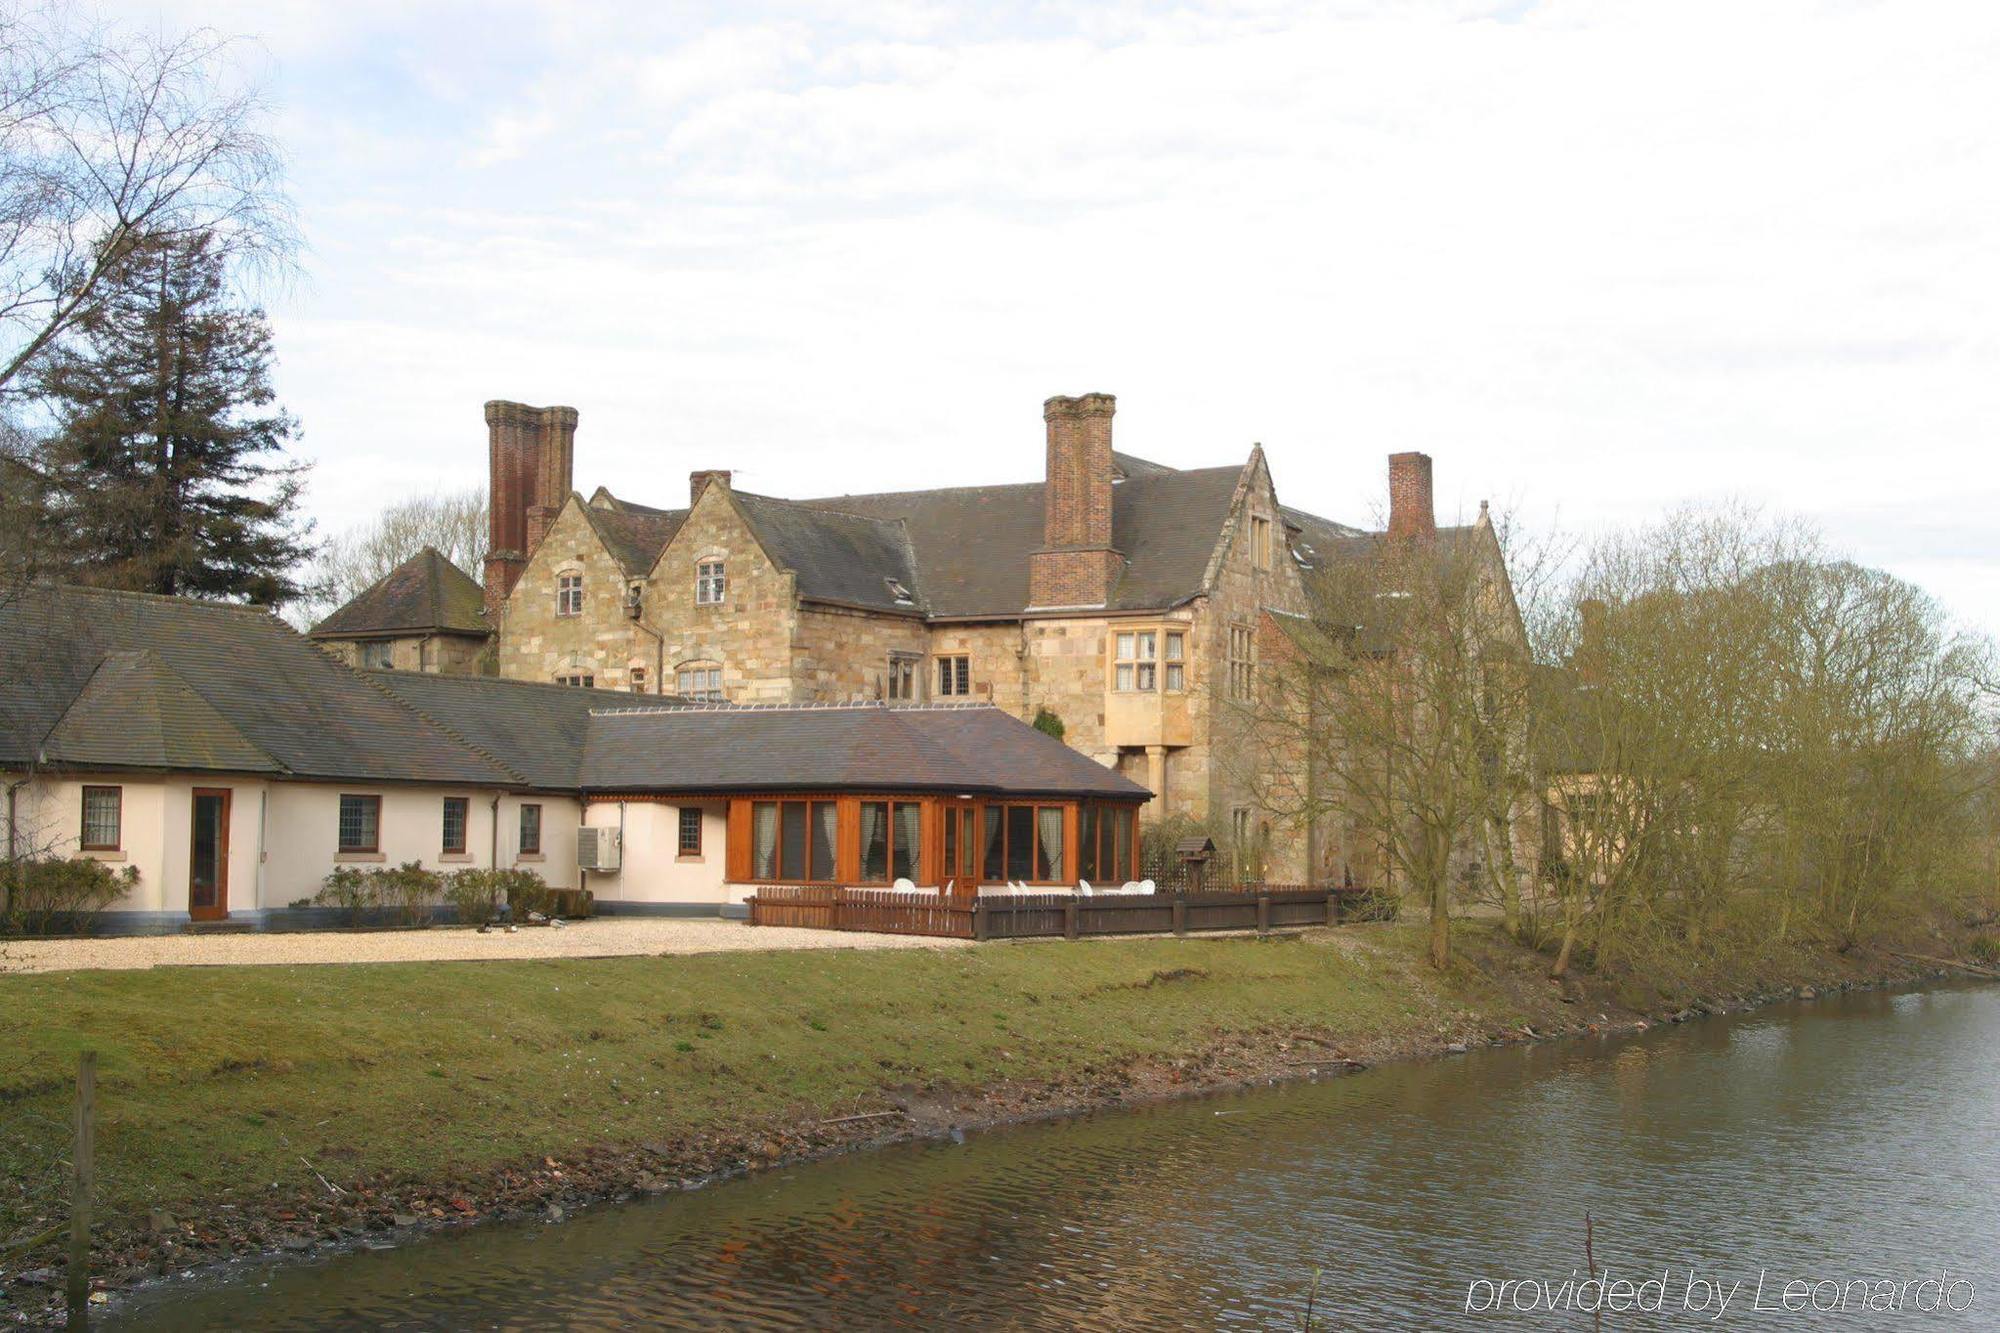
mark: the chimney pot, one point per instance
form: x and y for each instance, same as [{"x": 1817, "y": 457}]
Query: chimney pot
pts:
[{"x": 1412, "y": 508}]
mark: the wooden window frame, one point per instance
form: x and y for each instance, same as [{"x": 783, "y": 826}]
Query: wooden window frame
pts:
[
  {"x": 889, "y": 875},
  {"x": 778, "y": 834},
  {"x": 711, "y": 582},
  {"x": 1069, "y": 811},
  {"x": 521, "y": 845},
  {"x": 569, "y": 595},
  {"x": 954, "y": 681},
  {"x": 681, "y": 845},
  {"x": 1101, "y": 819},
  {"x": 117, "y": 842},
  {"x": 341, "y": 845},
  {"x": 464, "y": 804}
]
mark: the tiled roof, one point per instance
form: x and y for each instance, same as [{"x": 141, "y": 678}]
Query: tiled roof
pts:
[
  {"x": 538, "y": 731},
  {"x": 837, "y": 556},
  {"x": 135, "y": 711},
  {"x": 426, "y": 594},
  {"x": 971, "y": 544},
  {"x": 300, "y": 710},
  {"x": 634, "y": 534},
  {"x": 848, "y": 747}
]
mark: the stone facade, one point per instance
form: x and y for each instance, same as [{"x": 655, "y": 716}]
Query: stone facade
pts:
[
  {"x": 451, "y": 654},
  {"x": 644, "y": 625}
]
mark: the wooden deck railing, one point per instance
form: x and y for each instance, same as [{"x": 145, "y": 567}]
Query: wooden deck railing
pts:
[{"x": 1257, "y": 907}]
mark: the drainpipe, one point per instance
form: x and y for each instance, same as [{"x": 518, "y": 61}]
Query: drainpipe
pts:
[
  {"x": 493, "y": 860},
  {"x": 659, "y": 656}
]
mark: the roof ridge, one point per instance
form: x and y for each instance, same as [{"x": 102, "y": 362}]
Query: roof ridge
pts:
[
  {"x": 874, "y": 705},
  {"x": 151, "y": 659},
  {"x": 822, "y": 509},
  {"x": 133, "y": 594}
]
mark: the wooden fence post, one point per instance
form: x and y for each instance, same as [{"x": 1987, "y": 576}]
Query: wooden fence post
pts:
[
  {"x": 1263, "y": 914},
  {"x": 1069, "y": 919},
  {"x": 1180, "y": 915},
  {"x": 80, "y": 1189},
  {"x": 980, "y": 925}
]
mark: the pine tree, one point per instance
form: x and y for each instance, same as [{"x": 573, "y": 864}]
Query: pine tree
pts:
[{"x": 167, "y": 465}]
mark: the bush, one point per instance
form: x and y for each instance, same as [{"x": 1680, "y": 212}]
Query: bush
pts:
[
  {"x": 412, "y": 890},
  {"x": 526, "y": 892},
  {"x": 44, "y": 895},
  {"x": 1049, "y": 724},
  {"x": 1986, "y": 948},
  {"x": 475, "y": 895},
  {"x": 351, "y": 889}
]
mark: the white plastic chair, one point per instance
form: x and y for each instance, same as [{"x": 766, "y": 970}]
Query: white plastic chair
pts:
[
  {"x": 1147, "y": 886},
  {"x": 1083, "y": 888},
  {"x": 904, "y": 886}
]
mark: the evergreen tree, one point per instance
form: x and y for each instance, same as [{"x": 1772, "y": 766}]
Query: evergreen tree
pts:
[{"x": 167, "y": 464}]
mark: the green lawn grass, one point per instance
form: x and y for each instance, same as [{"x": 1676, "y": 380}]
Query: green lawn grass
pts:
[{"x": 215, "y": 1083}]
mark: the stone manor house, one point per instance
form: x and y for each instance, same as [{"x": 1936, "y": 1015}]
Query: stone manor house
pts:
[{"x": 1129, "y": 600}]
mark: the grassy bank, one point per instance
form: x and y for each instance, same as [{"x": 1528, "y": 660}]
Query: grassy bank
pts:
[{"x": 447, "y": 1090}]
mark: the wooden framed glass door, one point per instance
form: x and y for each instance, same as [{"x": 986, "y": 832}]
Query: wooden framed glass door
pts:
[
  {"x": 958, "y": 858},
  {"x": 208, "y": 855}
]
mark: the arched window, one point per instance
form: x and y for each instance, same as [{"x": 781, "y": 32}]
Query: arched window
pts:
[{"x": 699, "y": 680}]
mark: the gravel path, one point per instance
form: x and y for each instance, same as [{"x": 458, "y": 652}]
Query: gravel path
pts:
[{"x": 601, "y": 938}]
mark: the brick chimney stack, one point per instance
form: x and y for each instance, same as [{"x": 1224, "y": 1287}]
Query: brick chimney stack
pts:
[
  {"x": 531, "y": 453},
  {"x": 1412, "y": 509},
  {"x": 698, "y": 482},
  {"x": 1077, "y": 565}
]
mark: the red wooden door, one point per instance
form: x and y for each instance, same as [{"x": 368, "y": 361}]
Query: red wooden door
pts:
[{"x": 208, "y": 855}]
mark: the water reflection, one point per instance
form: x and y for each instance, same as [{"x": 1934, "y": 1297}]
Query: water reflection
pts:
[{"x": 1851, "y": 1137}]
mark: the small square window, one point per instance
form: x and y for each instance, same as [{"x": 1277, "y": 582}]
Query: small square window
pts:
[
  {"x": 690, "y": 830},
  {"x": 360, "y": 823},
  {"x": 102, "y": 817},
  {"x": 954, "y": 676},
  {"x": 569, "y": 595}
]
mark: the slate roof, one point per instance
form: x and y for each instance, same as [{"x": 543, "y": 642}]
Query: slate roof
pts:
[
  {"x": 838, "y": 556},
  {"x": 134, "y": 710},
  {"x": 426, "y": 594},
  {"x": 971, "y": 544},
  {"x": 849, "y": 747},
  {"x": 536, "y": 730},
  {"x": 634, "y": 534},
  {"x": 197, "y": 683}
]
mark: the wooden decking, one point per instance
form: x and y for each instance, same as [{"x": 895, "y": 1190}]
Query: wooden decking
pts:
[{"x": 1044, "y": 915}]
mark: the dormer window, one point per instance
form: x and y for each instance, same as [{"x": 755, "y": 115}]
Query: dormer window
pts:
[
  {"x": 899, "y": 593},
  {"x": 569, "y": 594},
  {"x": 709, "y": 583}
]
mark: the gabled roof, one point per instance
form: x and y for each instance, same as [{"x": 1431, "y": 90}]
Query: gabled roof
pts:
[
  {"x": 426, "y": 594},
  {"x": 303, "y": 712},
  {"x": 135, "y": 711},
  {"x": 848, "y": 747},
  {"x": 971, "y": 544},
  {"x": 633, "y": 534},
  {"x": 837, "y": 556}
]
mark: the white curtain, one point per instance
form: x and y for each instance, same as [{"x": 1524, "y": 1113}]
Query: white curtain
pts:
[
  {"x": 1050, "y": 820},
  {"x": 764, "y": 840}
]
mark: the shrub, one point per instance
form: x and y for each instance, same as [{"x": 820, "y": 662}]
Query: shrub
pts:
[
  {"x": 412, "y": 890},
  {"x": 1986, "y": 948},
  {"x": 476, "y": 894},
  {"x": 526, "y": 892},
  {"x": 351, "y": 889},
  {"x": 1049, "y": 724},
  {"x": 43, "y": 895}
]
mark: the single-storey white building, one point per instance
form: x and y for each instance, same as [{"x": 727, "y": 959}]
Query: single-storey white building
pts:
[{"x": 233, "y": 764}]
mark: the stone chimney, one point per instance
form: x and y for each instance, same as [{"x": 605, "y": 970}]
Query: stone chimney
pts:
[
  {"x": 531, "y": 455},
  {"x": 1412, "y": 510},
  {"x": 1077, "y": 565},
  {"x": 698, "y": 482}
]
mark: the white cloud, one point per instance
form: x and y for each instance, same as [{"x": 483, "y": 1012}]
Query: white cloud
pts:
[{"x": 1594, "y": 256}]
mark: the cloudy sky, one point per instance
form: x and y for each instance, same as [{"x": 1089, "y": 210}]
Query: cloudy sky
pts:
[{"x": 1596, "y": 257}]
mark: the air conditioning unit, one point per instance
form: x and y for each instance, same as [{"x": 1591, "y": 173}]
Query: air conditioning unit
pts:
[{"x": 597, "y": 849}]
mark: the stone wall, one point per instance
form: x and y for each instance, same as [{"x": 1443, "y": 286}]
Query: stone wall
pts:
[
  {"x": 537, "y": 644},
  {"x": 843, "y": 655},
  {"x": 447, "y": 654},
  {"x": 753, "y": 631}
]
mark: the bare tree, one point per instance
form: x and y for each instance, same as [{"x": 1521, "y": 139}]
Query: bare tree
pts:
[
  {"x": 107, "y": 137},
  {"x": 452, "y": 522}
]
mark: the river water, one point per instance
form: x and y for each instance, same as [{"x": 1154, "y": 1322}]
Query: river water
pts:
[{"x": 1849, "y": 1140}]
